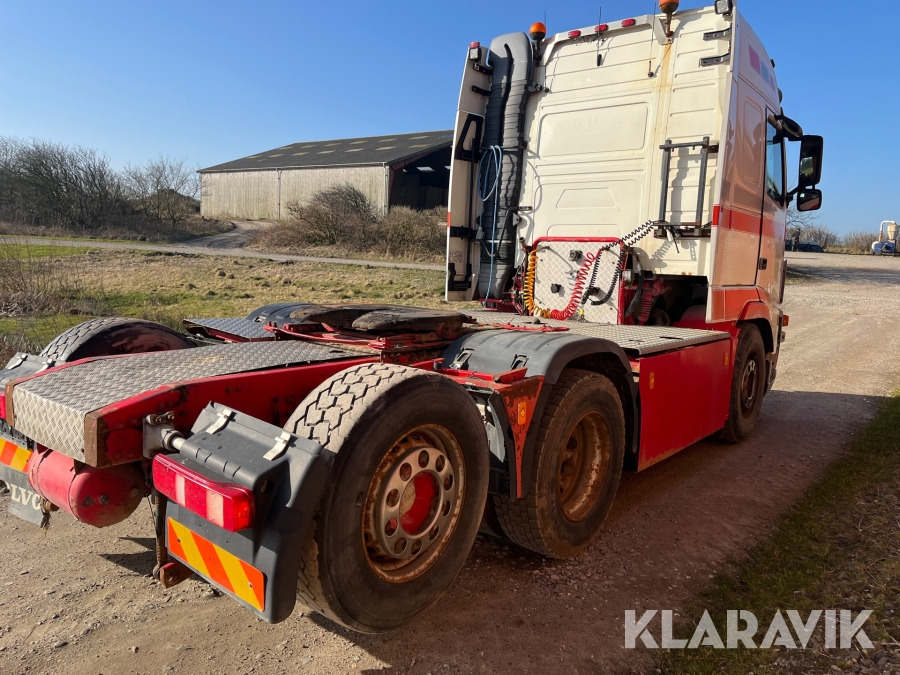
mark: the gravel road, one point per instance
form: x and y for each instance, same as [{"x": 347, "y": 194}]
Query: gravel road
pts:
[{"x": 78, "y": 600}]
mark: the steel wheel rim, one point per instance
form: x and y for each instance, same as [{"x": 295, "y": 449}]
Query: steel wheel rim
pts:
[
  {"x": 749, "y": 384},
  {"x": 413, "y": 504},
  {"x": 583, "y": 464}
]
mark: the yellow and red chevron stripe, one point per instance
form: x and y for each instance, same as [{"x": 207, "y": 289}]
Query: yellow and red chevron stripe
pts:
[
  {"x": 14, "y": 456},
  {"x": 218, "y": 565}
]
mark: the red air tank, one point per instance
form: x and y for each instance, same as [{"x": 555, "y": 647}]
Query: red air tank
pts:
[{"x": 98, "y": 497}]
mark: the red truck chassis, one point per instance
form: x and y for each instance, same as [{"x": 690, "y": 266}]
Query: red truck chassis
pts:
[{"x": 256, "y": 435}]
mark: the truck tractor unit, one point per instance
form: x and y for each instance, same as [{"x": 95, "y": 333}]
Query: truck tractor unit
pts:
[{"x": 617, "y": 210}]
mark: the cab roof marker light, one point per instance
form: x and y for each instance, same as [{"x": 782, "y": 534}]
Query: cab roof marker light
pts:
[
  {"x": 602, "y": 28},
  {"x": 227, "y": 505},
  {"x": 628, "y": 23},
  {"x": 574, "y": 33}
]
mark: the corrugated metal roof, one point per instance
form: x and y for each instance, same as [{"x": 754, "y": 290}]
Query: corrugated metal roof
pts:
[{"x": 342, "y": 152}]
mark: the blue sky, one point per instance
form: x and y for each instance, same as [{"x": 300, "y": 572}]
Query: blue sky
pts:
[{"x": 210, "y": 82}]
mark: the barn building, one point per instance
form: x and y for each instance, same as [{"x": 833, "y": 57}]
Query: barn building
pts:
[{"x": 402, "y": 169}]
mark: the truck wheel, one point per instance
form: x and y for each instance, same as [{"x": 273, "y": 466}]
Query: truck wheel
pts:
[
  {"x": 404, "y": 497},
  {"x": 747, "y": 385},
  {"x": 580, "y": 450},
  {"x": 114, "y": 335}
]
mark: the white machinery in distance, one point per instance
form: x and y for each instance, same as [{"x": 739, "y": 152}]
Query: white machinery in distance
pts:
[{"x": 888, "y": 234}]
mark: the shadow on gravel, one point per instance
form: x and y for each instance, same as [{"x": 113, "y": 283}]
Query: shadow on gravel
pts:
[{"x": 141, "y": 563}]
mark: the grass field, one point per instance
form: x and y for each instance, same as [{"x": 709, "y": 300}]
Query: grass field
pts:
[{"x": 77, "y": 284}]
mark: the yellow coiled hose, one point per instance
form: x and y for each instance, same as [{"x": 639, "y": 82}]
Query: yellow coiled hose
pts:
[{"x": 528, "y": 287}]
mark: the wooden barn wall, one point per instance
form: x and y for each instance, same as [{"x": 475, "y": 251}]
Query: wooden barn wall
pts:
[{"x": 254, "y": 195}]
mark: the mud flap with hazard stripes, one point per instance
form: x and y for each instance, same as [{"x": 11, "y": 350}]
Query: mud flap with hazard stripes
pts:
[
  {"x": 227, "y": 571},
  {"x": 24, "y": 502},
  {"x": 256, "y": 566}
]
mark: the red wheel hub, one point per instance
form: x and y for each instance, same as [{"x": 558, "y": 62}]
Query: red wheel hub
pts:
[
  {"x": 421, "y": 494},
  {"x": 413, "y": 503}
]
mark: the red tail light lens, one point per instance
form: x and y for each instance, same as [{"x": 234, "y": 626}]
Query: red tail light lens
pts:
[{"x": 227, "y": 505}]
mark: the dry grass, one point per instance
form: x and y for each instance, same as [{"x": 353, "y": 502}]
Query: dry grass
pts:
[
  {"x": 169, "y": 287},
  {"x": 133, "y": 229}
]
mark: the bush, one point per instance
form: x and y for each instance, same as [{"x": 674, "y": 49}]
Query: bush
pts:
[
  {"x": 337, "y": 216},
  {"x": 858, "y": 241},
  {"x": 342, "y": 218},
  {"x": 410, "y": 233}
]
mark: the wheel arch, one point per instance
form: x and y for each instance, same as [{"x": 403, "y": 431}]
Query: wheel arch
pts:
[
  {"x": 760, "y": 315},
  {"x": 547, "y": 355}
]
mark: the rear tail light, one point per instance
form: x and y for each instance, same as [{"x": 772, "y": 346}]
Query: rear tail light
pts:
[{"x": 227, "y": 505}]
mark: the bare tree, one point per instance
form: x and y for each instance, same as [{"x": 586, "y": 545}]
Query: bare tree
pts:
[
  {"x": 804, "y": 226},
  {"x": 823, "y": 235},
  {"x": 164, "y": 189},
  {"x": 66, "y": 186}
]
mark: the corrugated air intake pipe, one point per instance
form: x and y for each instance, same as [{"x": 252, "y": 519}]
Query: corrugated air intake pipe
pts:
[{"x": 502, "y": 156}]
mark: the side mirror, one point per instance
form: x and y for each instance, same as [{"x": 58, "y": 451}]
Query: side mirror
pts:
[
  {"x": 809, "y": 199},
  {"x": 810, "y": 172}
]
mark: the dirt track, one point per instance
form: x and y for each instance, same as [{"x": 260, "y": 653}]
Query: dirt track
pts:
[{"x": 79, "y": 601}]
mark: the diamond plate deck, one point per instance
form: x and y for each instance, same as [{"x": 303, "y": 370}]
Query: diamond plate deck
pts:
[
  {"x": 51, "y": 408},
  {"x": 245, "y": 328},
  {"x": 641, "y": 339}
]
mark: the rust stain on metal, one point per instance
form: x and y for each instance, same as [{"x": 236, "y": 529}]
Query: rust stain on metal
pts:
[{"x": 173, "y": 573}]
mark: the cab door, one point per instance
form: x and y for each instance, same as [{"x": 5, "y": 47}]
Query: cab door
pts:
[{"x": 772, "y": 222}]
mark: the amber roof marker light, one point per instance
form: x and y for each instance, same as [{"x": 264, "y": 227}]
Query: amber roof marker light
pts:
[{"x": 668, "y": 7}]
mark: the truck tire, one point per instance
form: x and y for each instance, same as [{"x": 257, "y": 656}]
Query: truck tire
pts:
[
  {"x": 113, "y": 335},
  {"x": 404, "y": 497},
  {"x": 747, "y": 385},
  {"x": 580, "y": 449}
]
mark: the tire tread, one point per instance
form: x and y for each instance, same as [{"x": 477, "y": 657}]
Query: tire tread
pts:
[
  {"x": 331, "y": 410},
  {"x": 519, "y": 517}
]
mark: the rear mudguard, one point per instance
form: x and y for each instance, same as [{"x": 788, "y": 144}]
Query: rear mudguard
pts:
[
  {"x": 545, "y": 355},
  {"x": 287, "y": 475}
]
